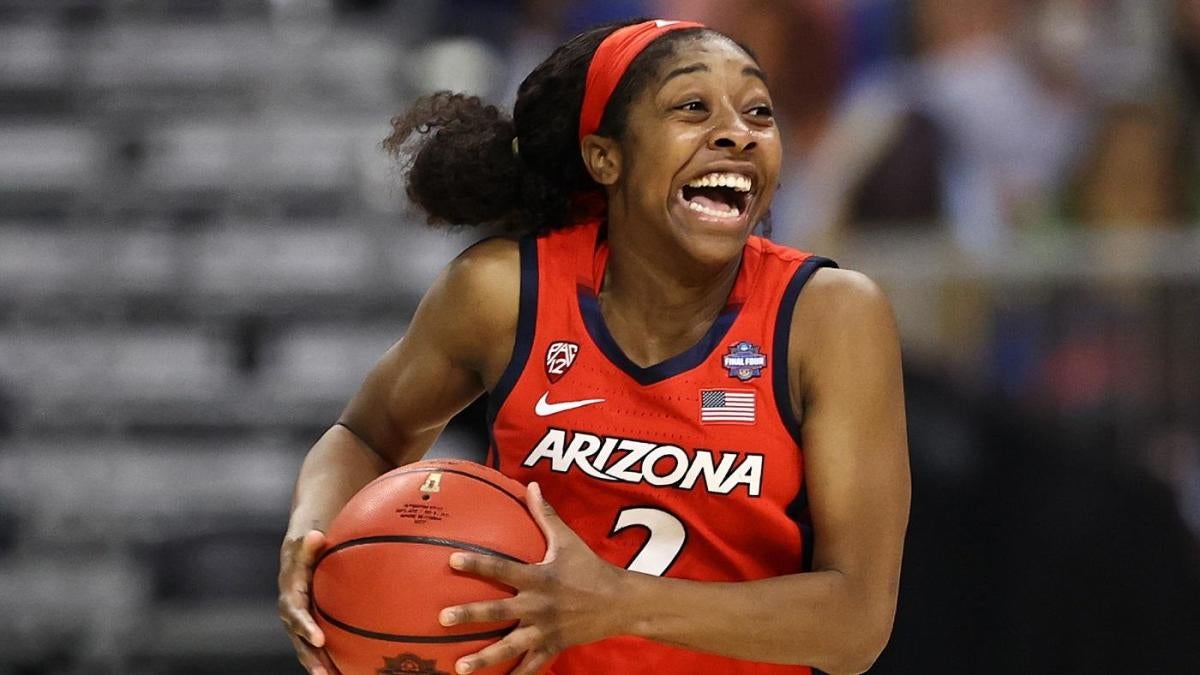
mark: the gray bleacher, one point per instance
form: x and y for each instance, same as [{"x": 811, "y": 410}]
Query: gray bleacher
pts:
[{"x": 202, "y": 251}]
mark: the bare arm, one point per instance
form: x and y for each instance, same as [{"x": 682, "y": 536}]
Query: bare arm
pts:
[
  {"x": 458, "y": 342},
  {"x": 838, "y": 617},
  {"x": 460, "y": 336}
]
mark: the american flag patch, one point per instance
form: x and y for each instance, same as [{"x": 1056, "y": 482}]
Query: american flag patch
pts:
[{"x": 729, "y": 406}]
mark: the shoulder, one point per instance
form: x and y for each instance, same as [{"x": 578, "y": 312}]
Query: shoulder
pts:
[
  {"x": 484, "y": 279},
  {"x": 843, "y": 334},
  {"x": 842, "y": 321},
  {"x": 484, "y": 264},
  {"x": 474, "y": 303},
  {"x": 835, "y": 295},
  {"x": 830, "y": 292}
]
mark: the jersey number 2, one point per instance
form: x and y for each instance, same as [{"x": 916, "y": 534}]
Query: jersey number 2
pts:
[{"x": 662, "y": 547}]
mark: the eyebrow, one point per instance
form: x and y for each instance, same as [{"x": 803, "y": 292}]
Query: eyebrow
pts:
[
  {"x": 695, "y": 67},
  {"x": 749, "y": 71}
]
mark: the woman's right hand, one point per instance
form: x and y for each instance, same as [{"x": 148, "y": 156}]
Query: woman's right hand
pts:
[{"x": 296, "y": 559}]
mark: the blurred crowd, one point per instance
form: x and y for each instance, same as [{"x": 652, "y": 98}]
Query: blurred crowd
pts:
[{"x": 979, "y": 116}]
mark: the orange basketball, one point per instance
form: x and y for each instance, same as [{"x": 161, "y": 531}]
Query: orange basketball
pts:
[{"x": 378, "y": 587}]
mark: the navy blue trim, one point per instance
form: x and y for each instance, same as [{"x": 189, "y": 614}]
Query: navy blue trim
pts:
[
  {"x": 779, "y": 347},
  {"x": 807, "y": 539},
  {"x": 522, "y": 344},
  {"x": 797, "y": 510},
  {"x": 589, "y": 308}
]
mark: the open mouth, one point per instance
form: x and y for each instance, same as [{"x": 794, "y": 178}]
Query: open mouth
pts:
[{"x": 718, "y": 195}]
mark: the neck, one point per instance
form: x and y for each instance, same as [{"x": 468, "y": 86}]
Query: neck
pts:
[{"x": 657, "y": 301}]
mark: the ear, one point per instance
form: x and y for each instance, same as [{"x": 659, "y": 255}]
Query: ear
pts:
[{"x": 602, "y": 157}]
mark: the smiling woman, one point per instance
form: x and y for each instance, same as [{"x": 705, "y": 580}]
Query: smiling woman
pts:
[{"x": 718, "y": 420}]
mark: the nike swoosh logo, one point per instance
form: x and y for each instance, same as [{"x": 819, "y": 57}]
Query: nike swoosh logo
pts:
[{"x": 545, "y": 408}]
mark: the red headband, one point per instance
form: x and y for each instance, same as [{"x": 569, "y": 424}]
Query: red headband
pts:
[{"x": 610, "y": 62}]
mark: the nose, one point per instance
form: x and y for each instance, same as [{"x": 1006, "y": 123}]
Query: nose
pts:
[{"x": 731, "y": 132}]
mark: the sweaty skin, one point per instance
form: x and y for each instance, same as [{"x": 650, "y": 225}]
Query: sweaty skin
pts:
[{"x": 668, "y": 264}]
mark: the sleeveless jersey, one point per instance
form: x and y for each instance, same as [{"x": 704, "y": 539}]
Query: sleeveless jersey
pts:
[{"x": 689, "y": 468}]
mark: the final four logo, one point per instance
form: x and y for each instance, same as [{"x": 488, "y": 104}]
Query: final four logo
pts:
[
  {"x": 744, "y": 361},
  {"x": 559, "y": 357}
]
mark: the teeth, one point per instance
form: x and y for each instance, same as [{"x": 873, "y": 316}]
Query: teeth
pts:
[
  {"x": 730, "y": 180},
  {"x": 700, "y": 208}
]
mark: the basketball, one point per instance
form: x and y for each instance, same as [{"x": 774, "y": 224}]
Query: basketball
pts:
[{"x": 379, "y": 585}]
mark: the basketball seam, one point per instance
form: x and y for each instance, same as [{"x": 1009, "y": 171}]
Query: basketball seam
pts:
[
  {"x": 415, "y": 539},
  {"x": 416, "y": 639},
  {"x": 411, "y": 539}
]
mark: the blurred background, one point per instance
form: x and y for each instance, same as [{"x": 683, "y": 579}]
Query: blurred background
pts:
[{"x": 202, "y": 251}]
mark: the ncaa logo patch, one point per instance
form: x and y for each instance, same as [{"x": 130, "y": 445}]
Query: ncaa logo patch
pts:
[
  {"x": 744, "y": 361},
  {"x": 559, "y": 358}
]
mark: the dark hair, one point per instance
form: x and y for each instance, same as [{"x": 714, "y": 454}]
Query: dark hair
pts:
[{"x": 462, "y": 167}]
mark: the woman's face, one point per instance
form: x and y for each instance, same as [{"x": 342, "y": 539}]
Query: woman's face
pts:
[{"x": 701, "y": 152}]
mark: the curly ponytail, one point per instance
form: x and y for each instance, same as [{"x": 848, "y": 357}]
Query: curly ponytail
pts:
[
  {"x": 465, "y": 172},
  {"x": 465, "y": 167}
]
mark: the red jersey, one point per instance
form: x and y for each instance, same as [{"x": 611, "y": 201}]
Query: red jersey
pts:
[{"x": 689, "y": 468}]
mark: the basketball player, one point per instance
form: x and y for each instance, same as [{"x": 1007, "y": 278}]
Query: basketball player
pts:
[{"x": 717, "y": 419}]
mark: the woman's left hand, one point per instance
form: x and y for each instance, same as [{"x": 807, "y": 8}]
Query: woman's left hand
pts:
[{"x": 569, "y": 598}]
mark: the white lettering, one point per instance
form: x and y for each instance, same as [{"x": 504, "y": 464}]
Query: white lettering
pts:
[
  {"x": 582, "y": 447},
  {"x": 748, "y": 472},
  {"x": 681, "y": 465},
  {"x": 713, "y": 476},
  {"x": 550, "y": 447},
  {"x": 635, "y": 450},
  {"x": 631, "y": 461},
  {"x": 606, "y": 451}
]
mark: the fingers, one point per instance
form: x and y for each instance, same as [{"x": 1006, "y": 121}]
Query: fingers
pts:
[
  {"x": 310, "y": 547},
  {"x": 542, "y": 512},
  {"x": 298, "y": 556},
  {"x": 481, "y": 612},
  {"x": 533, "y": 662},
  {"x": 293, "y": 611},
  {"x": 327, "y": 662},
  {"x": 315, "y": 661},
  {"x": 295, "y": 579},
  {"x": 507, "y": 572},
  {"x": 513, "y": 645},
  {"x": 547, "y": 518}
]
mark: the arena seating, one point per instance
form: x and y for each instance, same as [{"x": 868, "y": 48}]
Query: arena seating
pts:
[{"x": 202, "y": 252}]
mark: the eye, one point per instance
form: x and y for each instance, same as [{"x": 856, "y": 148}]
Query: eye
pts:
[
  {"x": 692, "y": 106},
  {"x": 762, "y": 111}
]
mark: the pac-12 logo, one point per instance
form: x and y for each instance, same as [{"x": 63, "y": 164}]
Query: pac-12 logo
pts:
[{"x": 559, "y": 357}]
